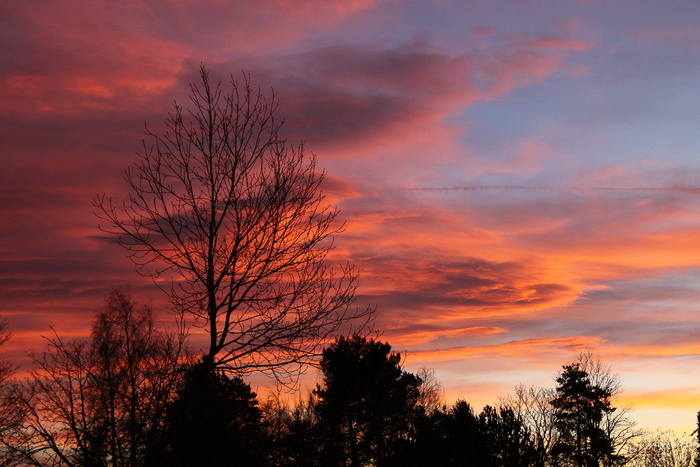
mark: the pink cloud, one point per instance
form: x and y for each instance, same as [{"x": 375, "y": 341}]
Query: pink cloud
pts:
[
  {"x": 341, "y": 94},
  {"x": 85, "y": 58}
]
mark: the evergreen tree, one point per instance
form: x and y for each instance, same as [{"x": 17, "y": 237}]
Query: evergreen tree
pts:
[
  {"x": 366, "y": 405},
  {"x": 465, "y": 443},
  {"x": 579, "y": 409},
  {"x": 214, "y": 421},
  {"x": 507, "y": 439}
]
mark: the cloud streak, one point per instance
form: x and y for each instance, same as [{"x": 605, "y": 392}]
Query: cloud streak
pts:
[{"x": 680, "y": 189}]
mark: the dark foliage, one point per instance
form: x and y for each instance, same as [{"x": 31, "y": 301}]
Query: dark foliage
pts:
[
  {"x": 123, "y": 398},
  {"x": 579, "y": 409},
  {"x": 214, "y": 421},
  {"x": 508, "y": 441},
  {"x": 292, "y": 432},
  {"x": 367, "y": 403},
  {"x": 448, "y": 437}
]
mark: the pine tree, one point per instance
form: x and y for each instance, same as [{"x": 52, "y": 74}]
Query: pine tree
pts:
[{"x": 580, "y": 406}]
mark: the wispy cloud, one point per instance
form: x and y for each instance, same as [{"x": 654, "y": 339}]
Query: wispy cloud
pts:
[
  {"x": 527, "y": 347},
  {"x": 680, "y": 189}
]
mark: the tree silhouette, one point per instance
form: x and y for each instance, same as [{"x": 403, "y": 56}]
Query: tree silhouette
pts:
[
  {"x": 533, "y": 406},
  {"x": 506, "y": 437},
  {"x": 102, "y": 400},
  {"x": 580, "y": 407},
  {"x": 697, "y": 438},
  {"x": 292, "y": 431},
  {"x": 224, "y": 203},
  {"x": 431, "y": 394},
  {"x": 619, "y": 428},
  {"x": 214, "y": 421},
  {"x": 11, "y": 419},
  {"x": 366, "y": 402},
  {"x": 449, "y": 437},
  {"x": 664, "y": 449}
]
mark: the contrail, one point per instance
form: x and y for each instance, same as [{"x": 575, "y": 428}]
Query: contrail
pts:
[{"x": 683, "y": 189}]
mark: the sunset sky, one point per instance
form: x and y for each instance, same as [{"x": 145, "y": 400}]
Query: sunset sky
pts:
[{"x": 520, "y": 180}]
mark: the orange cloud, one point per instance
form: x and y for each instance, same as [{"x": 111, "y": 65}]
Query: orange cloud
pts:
[
  {"x": 511, "y": 349},
  {"x": 673, "y": 398},
  {"x": 404, "y": 337}
]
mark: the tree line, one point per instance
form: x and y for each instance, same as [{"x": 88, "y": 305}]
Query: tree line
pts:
[{"x": 132, "y": 394}]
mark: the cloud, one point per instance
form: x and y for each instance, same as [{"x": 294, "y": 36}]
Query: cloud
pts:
[
  {"x": 415, "y": 335},
  {"x": 80, "y": 58},
  {"x": 674, "y": 398},
  {"x": 348, "y": 94},
  {"x": 529, "y": 347},
  {"x": 597, "y": 257}
]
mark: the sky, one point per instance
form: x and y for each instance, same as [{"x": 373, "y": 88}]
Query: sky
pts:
[{"x": 520, "y": 180}]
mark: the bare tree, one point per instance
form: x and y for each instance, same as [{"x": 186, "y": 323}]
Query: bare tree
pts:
[
  {"x": 10, "y": 418},
  {"x": 98, "y": 401},
  {"x": 533, "y": 406},
  {"x": 664, "y": 449},
  {"x": 6, "y": 369},
  {"x": 431, "y": 394},
  {"x": 237, "y": 214},
  {"x": 292, "y": 430}
]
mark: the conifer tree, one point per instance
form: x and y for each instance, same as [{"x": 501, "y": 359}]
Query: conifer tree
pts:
[{"x": 580, "y": 406}]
